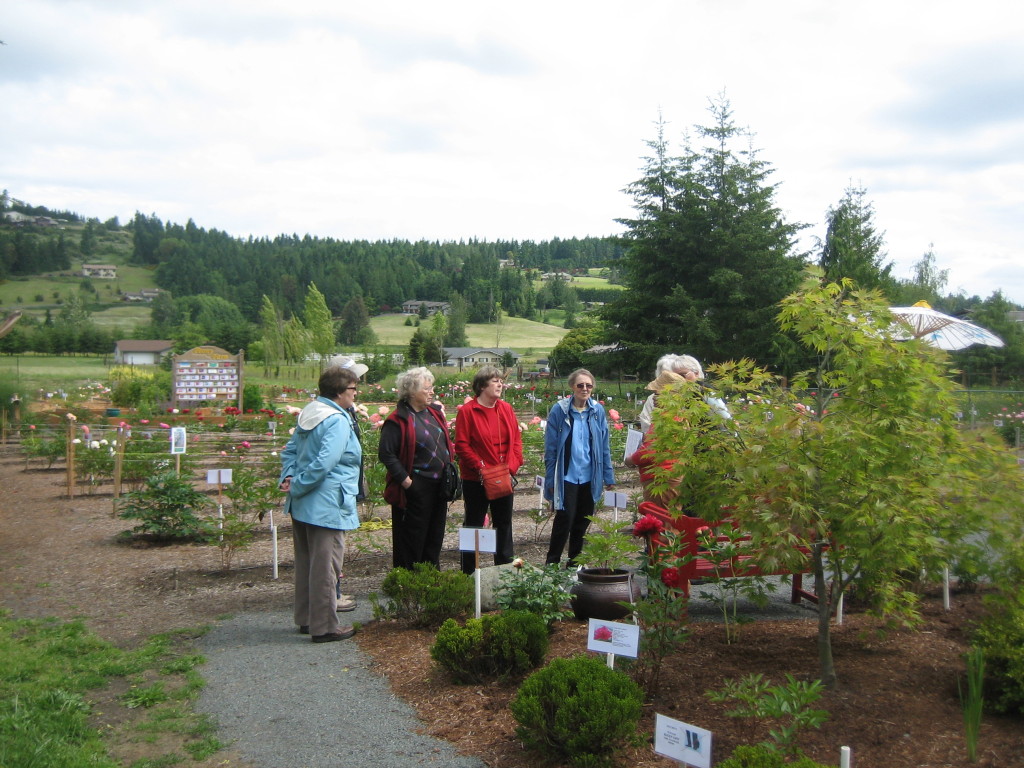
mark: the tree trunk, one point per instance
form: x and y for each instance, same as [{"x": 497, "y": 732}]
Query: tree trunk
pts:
[{"x": 826, "y": 665}]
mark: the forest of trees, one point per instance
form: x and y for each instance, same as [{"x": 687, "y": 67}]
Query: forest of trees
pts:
[{"x": 190, "y": 260}]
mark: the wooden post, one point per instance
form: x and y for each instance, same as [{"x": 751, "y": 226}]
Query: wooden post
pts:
[{"x": 70, "y": 454}]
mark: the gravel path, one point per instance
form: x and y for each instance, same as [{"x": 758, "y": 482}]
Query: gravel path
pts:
[{"x": 285, "y": 701}]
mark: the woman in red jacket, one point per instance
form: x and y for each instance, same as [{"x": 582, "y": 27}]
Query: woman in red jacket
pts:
[{"x": 487, "y": 434}]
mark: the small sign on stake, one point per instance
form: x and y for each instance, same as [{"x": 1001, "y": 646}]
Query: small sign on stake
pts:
[
  {"x": 683, "y": 742},
  {"x": 179, "y": 440},
  {"x": 613, "y": 637}
]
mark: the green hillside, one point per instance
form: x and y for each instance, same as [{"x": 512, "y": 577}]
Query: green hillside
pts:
[{"x": 516, "y": 333}]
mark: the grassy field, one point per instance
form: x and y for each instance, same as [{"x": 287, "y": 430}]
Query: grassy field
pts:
[{"x": 521, "y": 335}]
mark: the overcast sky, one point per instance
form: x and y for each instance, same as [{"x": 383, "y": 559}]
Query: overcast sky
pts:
[{"x": 452, "y": 120}]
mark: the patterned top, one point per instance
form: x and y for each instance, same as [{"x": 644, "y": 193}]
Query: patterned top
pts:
[{"x": 431, "y": 447}]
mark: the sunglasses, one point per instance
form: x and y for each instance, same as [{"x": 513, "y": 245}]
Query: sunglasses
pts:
[{"x": 584, "y": 386}]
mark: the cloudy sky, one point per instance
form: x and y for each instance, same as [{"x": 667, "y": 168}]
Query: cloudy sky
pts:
[{"x": 452, "y": 120}]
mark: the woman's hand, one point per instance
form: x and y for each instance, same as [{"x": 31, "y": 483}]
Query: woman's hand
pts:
[
  {"x": 407, "y": 483},
  {"x": 286, "y": 485}
]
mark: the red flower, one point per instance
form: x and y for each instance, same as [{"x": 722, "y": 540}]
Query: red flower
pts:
[
  {"x": 603, "y": 633},
  {"x": 670, "y": 578},
  {"x": 647, "y": 525}
]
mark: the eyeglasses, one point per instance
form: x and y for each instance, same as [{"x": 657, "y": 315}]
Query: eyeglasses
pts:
[
  {"x": 584, "y": 386},
  {"x": 352, "y": 389}
]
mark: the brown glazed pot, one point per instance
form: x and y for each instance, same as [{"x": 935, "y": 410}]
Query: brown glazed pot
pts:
[{"x": 598, "y": 592}]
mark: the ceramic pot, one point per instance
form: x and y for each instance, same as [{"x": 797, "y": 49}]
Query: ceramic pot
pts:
[{"x": 598, "y": 592}]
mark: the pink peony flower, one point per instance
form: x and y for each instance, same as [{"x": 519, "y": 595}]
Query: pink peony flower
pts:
[
  {"x": 613, "y": 414},
  {"x": 603, "y": 633},
  {"x": 163, "y": 426}
]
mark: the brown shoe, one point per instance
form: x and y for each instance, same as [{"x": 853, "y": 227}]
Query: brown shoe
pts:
[
  {"x": 346, "y": 603},
  {"x": 333, "y": 637}
]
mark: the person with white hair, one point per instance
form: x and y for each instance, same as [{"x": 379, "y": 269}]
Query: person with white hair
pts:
[
  {"x": 690, "y": 369},
  {"x": 415, "y": 448}
]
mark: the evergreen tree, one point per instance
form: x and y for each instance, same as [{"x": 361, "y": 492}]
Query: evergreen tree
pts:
[
  {"x": 355, "y": 318},
  {"x": 456, "y": 334},
  {"x": 852, "y": 247},
  {"x": 709, "y": 254},
  {"x": 418, "y": 345}
]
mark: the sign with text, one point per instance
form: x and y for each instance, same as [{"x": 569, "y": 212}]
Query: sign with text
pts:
[
  {"x": 615, "y": 499},
  {"x": 478, "y": 539},
  {"x": 613, "y": 637},
  {"x": 538, "y": 481},
  {"x": 218, "y": 476},
  {"x": 634, "y": 437},
  {"x": 682, "y": 741},
  {"x": 178, "y": 440}
]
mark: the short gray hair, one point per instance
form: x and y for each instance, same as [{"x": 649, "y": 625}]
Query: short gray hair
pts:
[
  {"x": 686, "y": 364},
  {"x": 665, "y": 363},
  {"x": 412, "y": 381}
]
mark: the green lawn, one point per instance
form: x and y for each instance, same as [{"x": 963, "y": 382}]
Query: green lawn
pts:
[{"x": 516, "y": 333}]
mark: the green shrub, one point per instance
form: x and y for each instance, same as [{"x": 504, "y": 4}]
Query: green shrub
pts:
[
  {"x": 577, "y": 709},
  {"x": 169, "y": 508},
  {"x": 542, "y": 591},
  {"x": 1000, "y": 636},
  {"x": 760, "y": 756},
  {"x": 494, "y": 646},
  {"x": 424, "y": 596}
]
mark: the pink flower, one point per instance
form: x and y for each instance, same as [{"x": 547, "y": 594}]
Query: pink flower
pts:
[
  {"x": 246, "y": 444},
  {"x": 603, "y": 633},
  {"x": 31, "y": 426},
  {"x": 374, "y": 418},
  {"x": 613, "y": 414},
  {"x": 535, "y": 420},
  {"x": 163, "y": 426},
  {"x": 467, "y": 400},
  {"x": 617, "y": 425},
  {"x": 143, "y": 421}
]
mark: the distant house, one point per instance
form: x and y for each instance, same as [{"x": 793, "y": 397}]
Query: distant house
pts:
[
  {"x": 476, "y": 357},
  {"x": 412, "y": 307},
  {"x": 102, "y": 271},
  {"x": 145, "y": 296},
  {"x": 141, "y": 351}
]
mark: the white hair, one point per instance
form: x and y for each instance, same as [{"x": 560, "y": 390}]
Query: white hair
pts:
[
  {"x": 412, "y": 381},
  {"x": 665, "y": 363},
  {"x": 686, "y": 363}
]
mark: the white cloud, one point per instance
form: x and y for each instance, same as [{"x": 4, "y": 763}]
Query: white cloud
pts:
[{"x": 461, "y": 119}]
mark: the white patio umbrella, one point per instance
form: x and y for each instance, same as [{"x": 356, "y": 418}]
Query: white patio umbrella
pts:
[{"x": 940, "y": 330}]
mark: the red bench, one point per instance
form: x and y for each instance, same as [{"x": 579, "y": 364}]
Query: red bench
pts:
[{"x": 695, "y": 565}]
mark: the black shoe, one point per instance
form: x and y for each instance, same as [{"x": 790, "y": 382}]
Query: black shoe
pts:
[
  {"x": 304, "y": 629},
  {"x": 333, "y": 637}
]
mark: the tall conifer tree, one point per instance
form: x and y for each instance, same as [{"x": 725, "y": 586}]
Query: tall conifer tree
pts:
[{"x": 709, "y": 254}]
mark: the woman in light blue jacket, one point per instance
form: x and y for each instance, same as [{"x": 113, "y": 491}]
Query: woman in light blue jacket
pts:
[
  {"x": 320, "y": 474},
  {"x": 577, "y": 464}
]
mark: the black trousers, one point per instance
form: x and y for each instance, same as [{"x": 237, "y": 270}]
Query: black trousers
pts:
[
  {"x": 418, "y": 529},
  {"x": 477, "y": 506},
  {"x": 571, "y": 522}
]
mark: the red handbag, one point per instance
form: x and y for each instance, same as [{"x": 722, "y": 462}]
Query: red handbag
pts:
[{"x": 497, "y": 480}]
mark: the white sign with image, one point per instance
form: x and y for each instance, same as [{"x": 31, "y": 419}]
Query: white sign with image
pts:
[
  {"x": 682, "y": 741},
  {"x": 613, "y": 637}
]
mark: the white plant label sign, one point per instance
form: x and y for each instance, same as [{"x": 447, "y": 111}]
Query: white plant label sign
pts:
[{"x": 682, "y": 741}]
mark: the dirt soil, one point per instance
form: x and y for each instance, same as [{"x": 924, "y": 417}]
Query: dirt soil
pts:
[{"x": 896, "y": 707}]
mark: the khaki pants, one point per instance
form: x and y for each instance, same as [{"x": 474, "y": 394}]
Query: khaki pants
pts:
[{"x": 318, "y": 552}]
